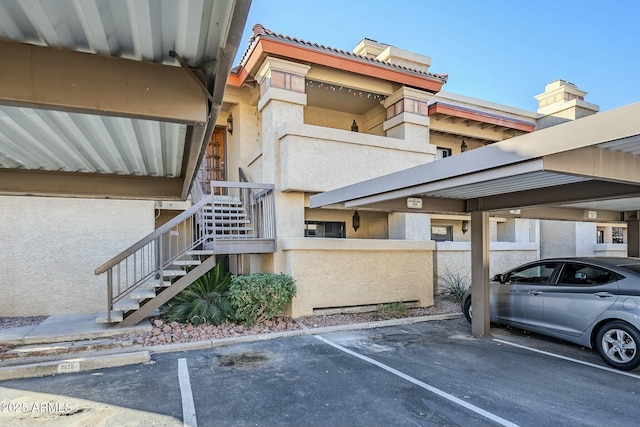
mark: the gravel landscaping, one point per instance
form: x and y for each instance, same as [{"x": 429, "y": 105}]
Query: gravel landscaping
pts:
[
  {"x": 174, "y": 332},
  {"x": 164, "y": 333}
]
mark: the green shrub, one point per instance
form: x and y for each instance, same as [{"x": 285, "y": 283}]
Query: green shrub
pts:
[
  {"x": 455, "y": 285},
  {"x": 204, "y": 301},
  {"x": 258, "y": 297}
]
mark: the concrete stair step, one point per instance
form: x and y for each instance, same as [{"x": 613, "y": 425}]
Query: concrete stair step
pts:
[
  {"x": 199, "y": 252},
  {"x": 187, "y": 262},
  {"x": 157, "y": 283},
  {"x": 126, "y": 304},
  {"x": 142, "y": 294},
  {"x": 116, "y": 316},
  {"x": 173, "y": 273}
]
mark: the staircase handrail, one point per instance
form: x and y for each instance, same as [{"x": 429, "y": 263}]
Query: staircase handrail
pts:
[
  {"x": 242, "y": 175},
  {"x": 166, "y": 227}
]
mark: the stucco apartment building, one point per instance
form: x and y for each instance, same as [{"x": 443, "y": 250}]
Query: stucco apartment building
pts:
[
  {"x": 311, "y": 118},
  {"x": 308, "y": 118}
]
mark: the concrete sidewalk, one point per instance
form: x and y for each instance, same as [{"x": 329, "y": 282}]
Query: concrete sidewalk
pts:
[{"x": 66, "y": 328}]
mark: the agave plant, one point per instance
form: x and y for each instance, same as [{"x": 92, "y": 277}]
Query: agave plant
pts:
[
  {"x": 203, "y": 301},
  {"x": 455, "y": 285}
]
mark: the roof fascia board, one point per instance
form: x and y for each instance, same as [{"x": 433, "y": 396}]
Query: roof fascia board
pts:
[
  {"x": 459, "y": 181},
  {"x": 49, "y": 78},
  {"x": 564, "y": 194},
  {"x": 354, "y": 65},
  {"x": 479, "y": 116},
  {"x": 429, "y": 205},
  {"x": 22, "y": 182},
  {"x": 599, "y": 163},
  {"x": 562, "y": 213}
]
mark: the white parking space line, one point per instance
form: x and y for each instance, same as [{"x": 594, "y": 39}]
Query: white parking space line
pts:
[
  {"x": 188, "y": 408},
  {"x": 421, "y": 384},
  {"x": 593, "y": 365}
]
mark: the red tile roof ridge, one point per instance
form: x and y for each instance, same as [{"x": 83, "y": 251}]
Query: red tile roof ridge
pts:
[{"x": 260, "y": 31}]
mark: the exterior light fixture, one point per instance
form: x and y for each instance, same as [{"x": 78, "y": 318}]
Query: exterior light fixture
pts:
[
  {"x": 465, "y": 226},
  {"x": 230, "y": 124},
  {"x": 354, "y": 126},
  {"x": 463, "y": 146},
  {"x": 355, "y": 221}
]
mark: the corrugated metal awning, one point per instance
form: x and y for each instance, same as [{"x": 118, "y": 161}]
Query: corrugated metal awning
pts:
[{"x": 91, "y": 93}]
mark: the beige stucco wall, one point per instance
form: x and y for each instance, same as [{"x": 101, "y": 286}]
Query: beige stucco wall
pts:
[
  {"x": 50, "y": 247},
  {"x": 313, "y": 158},
  {"x": 455, "y": 258},
  {"x": 610, "y": 249},
  {"x": 352, "y": 272},
  {"x": 567, "y": 238}
]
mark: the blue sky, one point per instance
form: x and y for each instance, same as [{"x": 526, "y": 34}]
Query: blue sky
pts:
[{"x": 502, "y": 51}]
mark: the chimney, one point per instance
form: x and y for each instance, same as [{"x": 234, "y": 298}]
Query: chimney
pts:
[
  {"x": 392, "y": 55},
  {"x": 561, "y": 102}
]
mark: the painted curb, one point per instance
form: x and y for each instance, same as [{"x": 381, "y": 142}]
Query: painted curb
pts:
[{"x": 67, "y": 366}]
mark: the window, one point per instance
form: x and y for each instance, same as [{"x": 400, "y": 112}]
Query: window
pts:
[
  {"x": 442, "y": 233},
  {"x": 441, "y": 153},
  {"x": 617, "y": 235},
  {"x": 324, "y": 229},
  {"x": 538, "y": 273},
  {"x": 580, "y": 274}
]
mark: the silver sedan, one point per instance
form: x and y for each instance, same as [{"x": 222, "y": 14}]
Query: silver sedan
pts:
[{"x": 593, "y": 302}]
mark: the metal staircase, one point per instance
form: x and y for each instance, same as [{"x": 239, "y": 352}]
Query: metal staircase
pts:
[{"x": 152, "y": 271}]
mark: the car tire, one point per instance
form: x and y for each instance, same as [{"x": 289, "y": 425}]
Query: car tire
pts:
[
  {"x": 619, "y": 345},
  {"x": 467, "y": 309}
]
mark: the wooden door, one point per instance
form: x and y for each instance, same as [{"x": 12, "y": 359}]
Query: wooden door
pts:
[{"x": 213, "y": 165}]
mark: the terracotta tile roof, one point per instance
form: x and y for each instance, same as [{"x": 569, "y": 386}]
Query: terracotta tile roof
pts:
[{"x": 259, "y": 31}]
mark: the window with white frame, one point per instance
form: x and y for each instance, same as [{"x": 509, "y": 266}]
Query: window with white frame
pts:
[{"x": 442, "y": 152}]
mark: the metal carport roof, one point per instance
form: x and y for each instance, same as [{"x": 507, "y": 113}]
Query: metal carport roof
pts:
[
  {"x": 111, "y": 98},
  {"x": 588, "y": 169},
  {"x": 588, "y": 164}
]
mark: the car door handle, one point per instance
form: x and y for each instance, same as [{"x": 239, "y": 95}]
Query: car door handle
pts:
[
  {"x": 604, "y": 294},
  {"x": 535, "y": 293}
]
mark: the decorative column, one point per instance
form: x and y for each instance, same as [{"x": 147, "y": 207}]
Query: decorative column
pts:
[
  {"x": 407, "y": 118},
  {"x": 407, "y": 115},
  {"x": 282, "y": 101}
]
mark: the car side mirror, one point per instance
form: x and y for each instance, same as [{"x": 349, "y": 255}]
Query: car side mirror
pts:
[{"x": 498, "y": 278}]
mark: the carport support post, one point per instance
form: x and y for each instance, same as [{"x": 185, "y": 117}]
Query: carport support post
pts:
[
  {"x": 480, "y": 273},
  {"x": 633, "y": 239}
]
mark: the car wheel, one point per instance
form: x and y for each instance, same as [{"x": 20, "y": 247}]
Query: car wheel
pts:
[
  {"x": 467, "y": 309},
  {"x": 618, "y": 344}
]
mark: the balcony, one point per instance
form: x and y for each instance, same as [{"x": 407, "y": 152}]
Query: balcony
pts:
[{"x": 314, "y": 158}]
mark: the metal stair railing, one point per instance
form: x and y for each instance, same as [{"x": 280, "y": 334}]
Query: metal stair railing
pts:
[
  {"x": 149, "y": 257},
  {"x": 258, "y": 204}
]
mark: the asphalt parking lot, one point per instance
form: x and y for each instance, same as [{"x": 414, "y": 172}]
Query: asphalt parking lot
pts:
[{"x": 425, "y": 374}]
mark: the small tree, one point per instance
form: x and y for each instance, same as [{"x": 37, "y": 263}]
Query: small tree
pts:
[
  {"x": 258, "y": 297},
  {"x": 203, "y": 301}
]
